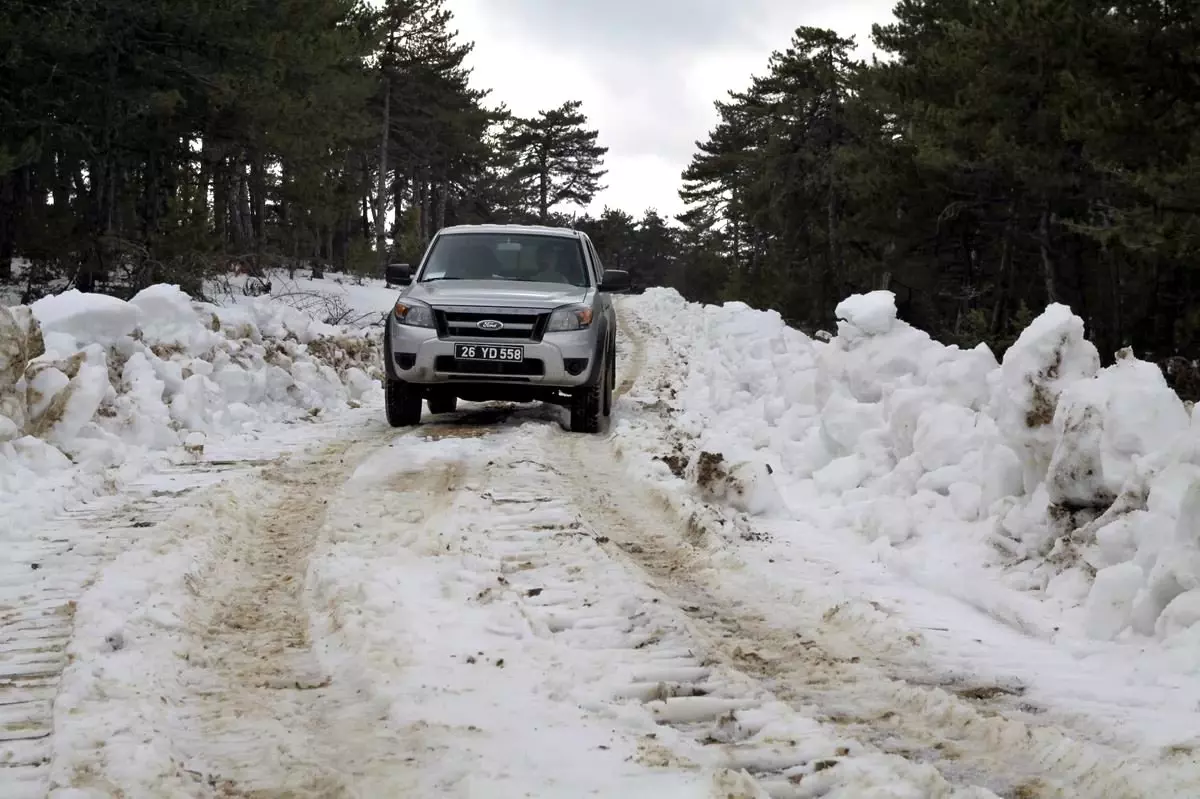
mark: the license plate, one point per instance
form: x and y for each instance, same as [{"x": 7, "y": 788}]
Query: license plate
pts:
[{"x": 489, "y": 352}]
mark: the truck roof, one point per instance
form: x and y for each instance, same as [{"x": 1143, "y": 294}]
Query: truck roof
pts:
[{"x": 543, "y": 230}]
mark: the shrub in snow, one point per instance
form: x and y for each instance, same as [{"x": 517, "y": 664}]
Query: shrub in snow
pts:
[
  {"x": 1072, "y": 471},
  {"x": 92, "y": 377}
]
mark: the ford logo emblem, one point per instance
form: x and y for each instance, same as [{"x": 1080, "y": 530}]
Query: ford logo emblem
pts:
[{"x": 489, "y": 324}]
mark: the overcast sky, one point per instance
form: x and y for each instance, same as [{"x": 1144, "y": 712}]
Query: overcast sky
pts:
[{"x": 647, "y": 71}]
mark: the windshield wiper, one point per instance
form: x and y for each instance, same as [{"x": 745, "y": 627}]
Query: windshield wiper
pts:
[{"x": 443, "y": 277}]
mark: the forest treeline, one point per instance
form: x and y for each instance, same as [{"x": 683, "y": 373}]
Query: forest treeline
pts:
[
  {"x": 999, "y": 155},
  {"x": 169, "y": 140}
]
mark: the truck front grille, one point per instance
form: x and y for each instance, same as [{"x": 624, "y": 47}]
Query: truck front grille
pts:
[{"x": 515, "y": 324}]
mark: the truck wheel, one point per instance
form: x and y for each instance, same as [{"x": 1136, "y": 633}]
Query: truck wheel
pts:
[
  {"x": 441, "y": 403},
  {"x": 402, "y": 403},
  {"x": 587, "y": 405}
]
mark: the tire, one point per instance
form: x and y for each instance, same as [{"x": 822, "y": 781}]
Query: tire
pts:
[
  {"x": 610, "y": 377},
  {"x": 587, "y": 405},
  {"x": 402, "y": 403},
  {"x": 441, "y": 403}
]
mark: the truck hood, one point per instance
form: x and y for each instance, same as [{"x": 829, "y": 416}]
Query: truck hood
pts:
[{"x": 496, "y": 294}]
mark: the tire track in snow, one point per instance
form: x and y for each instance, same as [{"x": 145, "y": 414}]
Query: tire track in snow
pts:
[
  {"x": 196, "y": 632},
  {"x": 972, "y": 736},
  {"x": 508, "y": 536},
  {"x": 259, "y": 716},
  {"x": 631, "y": 356},
  {"x": 713, "y": 713},
  {"x": 50, "y": 567}
]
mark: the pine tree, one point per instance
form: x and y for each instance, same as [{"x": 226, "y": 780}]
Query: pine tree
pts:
[{"x": 558, "y": 159}]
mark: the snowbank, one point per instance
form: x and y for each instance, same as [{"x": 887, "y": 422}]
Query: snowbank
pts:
[
  {"x": 1081, "y": 484},
  {"x": 92, "y": 381}
]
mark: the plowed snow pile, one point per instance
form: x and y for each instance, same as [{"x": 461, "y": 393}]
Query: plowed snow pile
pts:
[
  {"x": 90, "y": 382},
  {"x": 1074, "y": 485}
]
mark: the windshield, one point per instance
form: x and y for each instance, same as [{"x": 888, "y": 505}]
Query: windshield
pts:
[{"x": 506, "y": 256}]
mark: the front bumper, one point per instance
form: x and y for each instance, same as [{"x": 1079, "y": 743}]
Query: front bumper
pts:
[{"x": 559, "y": 360}]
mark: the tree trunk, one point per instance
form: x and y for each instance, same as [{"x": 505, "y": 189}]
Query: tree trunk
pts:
[
  {"x": 102, "y": 175},
  {"x": 258, "y": 205},
  {"x": 381, "y": 180},
  {"x": 833, "y": 269},
  {"x": 1003, "y": 279},
  {"x": 426, "y": 209},
  {"x": 61, "y": 190},
  {"x": 8, "y": 227},
  {"x": 199, "y": 204},
  {"x": 244, "y": 226},
  {"x": 1116, "y": 298},
  {"x": 543, "y": 186},
  {"x": 399, "y": 182},
  {"x": 443, "y": 200},
  {"x": 220, "y": 211},
  {"x": 318, "y": 271},
  {"x": 735, "y": 242},
  {"x": 1047, "y": 260}
]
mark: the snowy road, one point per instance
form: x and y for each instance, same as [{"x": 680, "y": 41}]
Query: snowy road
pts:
[{"x": 489, "y": 606}]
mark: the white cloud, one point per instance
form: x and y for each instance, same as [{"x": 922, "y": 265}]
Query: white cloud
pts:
[{"x": 647, "y": 71}]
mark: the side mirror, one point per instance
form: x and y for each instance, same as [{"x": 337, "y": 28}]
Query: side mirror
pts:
[
  {"x": 615, "y": 281},
  {"x": 400, "y": 274}
]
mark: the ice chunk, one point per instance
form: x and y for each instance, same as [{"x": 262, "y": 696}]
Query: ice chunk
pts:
[
  {"x": 78, "y": 403},
  {"x": 8, "y": 429},
  {"x": 1049, "y": 355},
  {"x": 1109, "y": 606},
  {"x": 1181, "y": 614},
  {"x": 20, "y": 342},
  {"x": 88, "y": 318},
  {"x": 168, "y": 319},
  {"x": 1075, "y": 476},
  {"x": 143, "y": 408},
  {"x": 873, "y": 313}
]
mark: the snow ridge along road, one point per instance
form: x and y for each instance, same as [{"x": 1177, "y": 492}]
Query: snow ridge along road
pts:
[
  {"x": 857, "y": 667},
  {"x": 489, "y": 606}
]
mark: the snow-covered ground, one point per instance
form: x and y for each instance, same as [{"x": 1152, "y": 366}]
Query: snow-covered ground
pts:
[
  {"x": 1056, "y": 497},
  {"x": 869, "y": 567}
]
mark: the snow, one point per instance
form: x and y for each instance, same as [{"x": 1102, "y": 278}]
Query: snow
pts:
[
  {"x": 113, "y": 385},
  {"x": 334, "y": 298},
  {"x": 1049, "y": 355},
  {"x": 870, "y": 314},
  {"x": 470, "y": 635},
  {"x": 790, "y": 568},
  {"x": 883, "y": 429},
  {"x": 110, "y": 412},
  {"x": 1041, "y": 494},
  {"x": 88, "y": 317}
]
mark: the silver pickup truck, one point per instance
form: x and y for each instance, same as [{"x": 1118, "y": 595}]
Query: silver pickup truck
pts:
[{"x": 503, "y": 312}]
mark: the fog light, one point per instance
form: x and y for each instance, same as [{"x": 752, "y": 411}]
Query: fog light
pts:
[
  {"x": 405, "y": 360},
  {"x": 575, "y": 366}
]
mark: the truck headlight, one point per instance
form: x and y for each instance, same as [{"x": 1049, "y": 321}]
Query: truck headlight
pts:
[
  {"x": 573, "y": 317},
  {"x": 413, "y": 314}
]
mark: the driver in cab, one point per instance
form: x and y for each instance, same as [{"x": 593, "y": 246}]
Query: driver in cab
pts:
[{"x": 555, "y": 266}]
